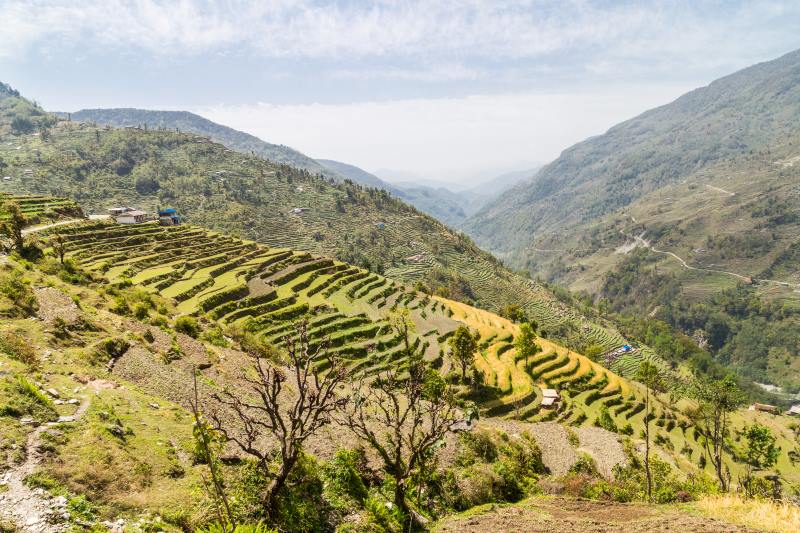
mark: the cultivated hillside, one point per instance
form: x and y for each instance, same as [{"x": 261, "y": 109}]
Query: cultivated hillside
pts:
[
  {"x": 277, "y": 205},
  {"x": 103, "y": 351},
  {"x": 697, "y": 199}
]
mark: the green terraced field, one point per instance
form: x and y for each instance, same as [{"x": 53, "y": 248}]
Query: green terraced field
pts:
[
  {"x": 40, "y": 208},
  {"x": 265, "y": 290}
]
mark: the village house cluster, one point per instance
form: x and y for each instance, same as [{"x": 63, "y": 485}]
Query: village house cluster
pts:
[{"x": 132, "y": 215}]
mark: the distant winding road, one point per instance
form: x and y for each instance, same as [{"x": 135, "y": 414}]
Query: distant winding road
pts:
[{"x": 640, "y": 241}]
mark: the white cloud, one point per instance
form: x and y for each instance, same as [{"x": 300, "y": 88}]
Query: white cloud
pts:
[
  {"x": 440, "y": 32},
  {"x": 447, "y": 139}
]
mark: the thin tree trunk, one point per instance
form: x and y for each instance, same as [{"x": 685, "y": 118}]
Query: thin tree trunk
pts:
[
  {"x": 277, "y": 483},
  {"x": 647, "y": 446}
]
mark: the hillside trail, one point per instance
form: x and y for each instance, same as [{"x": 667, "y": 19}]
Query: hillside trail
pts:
[
  {"x": 34, "y": 229},
  {"x": 641, "y": 242},
  {"x": 34, "y": 510}
]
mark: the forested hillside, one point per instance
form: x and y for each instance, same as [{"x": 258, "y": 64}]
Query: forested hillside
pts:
[
  {"x": 277, "y": 205},
  {"x": 187, "y": 122}
]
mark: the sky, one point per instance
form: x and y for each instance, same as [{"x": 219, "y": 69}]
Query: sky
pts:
[{"x": 433, "y": 90}]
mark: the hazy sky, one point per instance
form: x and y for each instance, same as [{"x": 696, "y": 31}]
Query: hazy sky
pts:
[{"x": 442, "y": 89}]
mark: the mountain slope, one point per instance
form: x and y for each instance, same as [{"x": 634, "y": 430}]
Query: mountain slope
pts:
[
  {"x": 102, "y": 363},
  {"x": 688, "y": 213},
  {"x": 191, "y": 123},
  {"x": 281, "y": 206},
  {"x": 452, "y": 207},
  {"x": 358, "y": 175},
  {"x": 745, "y": 111}
]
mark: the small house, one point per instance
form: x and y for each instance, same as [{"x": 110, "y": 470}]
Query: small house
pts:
[
  {"x": 794, "y": 410},
  {"x": 132, "y": 217},
  {"x": 550, "y": 398},
  {"x": 299, "y": 210},
  {"x": 380, "y": 225},
  {"x": 168, "y": 217},
  {"x": 116, "y": 211},
  {"x": 6, "y": 178},
  {"x": 764, "y": 408}
]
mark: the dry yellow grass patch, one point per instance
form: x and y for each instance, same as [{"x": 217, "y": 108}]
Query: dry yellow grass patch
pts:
[{"x": 760, "y": 514}]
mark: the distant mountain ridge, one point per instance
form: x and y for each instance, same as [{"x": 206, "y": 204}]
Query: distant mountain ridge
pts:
[
  {"x": 745, "y": 111},
  {"x": 450, "y": 207},
  {"x": 191, "y": 123}
]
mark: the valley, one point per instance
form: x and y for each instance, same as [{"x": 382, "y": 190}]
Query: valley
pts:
[{"x": 201, "y": 331}]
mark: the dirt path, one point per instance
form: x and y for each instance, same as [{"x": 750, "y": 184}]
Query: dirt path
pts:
[
  {"x": 566, "y": 515},
  {"x": 718, "y": 189},
  {"x": 34, "y": 229},
  {"x": 33, "y": 510},
  {"x": 641, "y": 242}
]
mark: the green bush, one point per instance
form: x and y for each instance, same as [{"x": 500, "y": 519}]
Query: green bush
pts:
[
  {"x": 141, "y": 310},
  {"x": 344, "y": 487},
  {"x": 215, "y": 336},
  {"x": 187, "y": 325},
  {"x": 17, "y": 347},
  {"x": 16, "y": 297},
  {"x": 605, "y": 421},
  {"x": 111, "y": 348}
]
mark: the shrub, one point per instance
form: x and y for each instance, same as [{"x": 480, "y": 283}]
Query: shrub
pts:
[
  {"x": 112, "y": 348},
  {"x": 215, "y": 336},
  {"x": 477, "y": 445},
  {"x": 16, "y": 296},
  {"x": 605, "y": 421},
  {"x": 17, "y": 347},
  {"x": 141, "y": 310},
  {"x": 187, "y": 325},
  {"x": 120, "y": 306},
  {"x": 344, "y": 487},
  {"x": 584, "y": 465}
]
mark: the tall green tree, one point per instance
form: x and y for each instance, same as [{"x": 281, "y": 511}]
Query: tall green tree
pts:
[
  {"x": 716, "y": 399},
  {"x": 13, "y": 225},
  {"x": 650, "y": 376},
  {"x": 463, "y": 345},
  {"x": 525, "y": 342},
  {"x": 760, "y": 452}
]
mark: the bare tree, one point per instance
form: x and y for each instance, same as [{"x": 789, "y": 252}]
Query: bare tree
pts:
[
  {"x": 288, "y": 417},
  {"x": 59, "y": 246},
  {"x": 403, "y": 419}
]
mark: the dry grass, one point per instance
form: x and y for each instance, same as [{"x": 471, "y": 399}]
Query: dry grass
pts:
[{"x": 761, "y": 514}]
